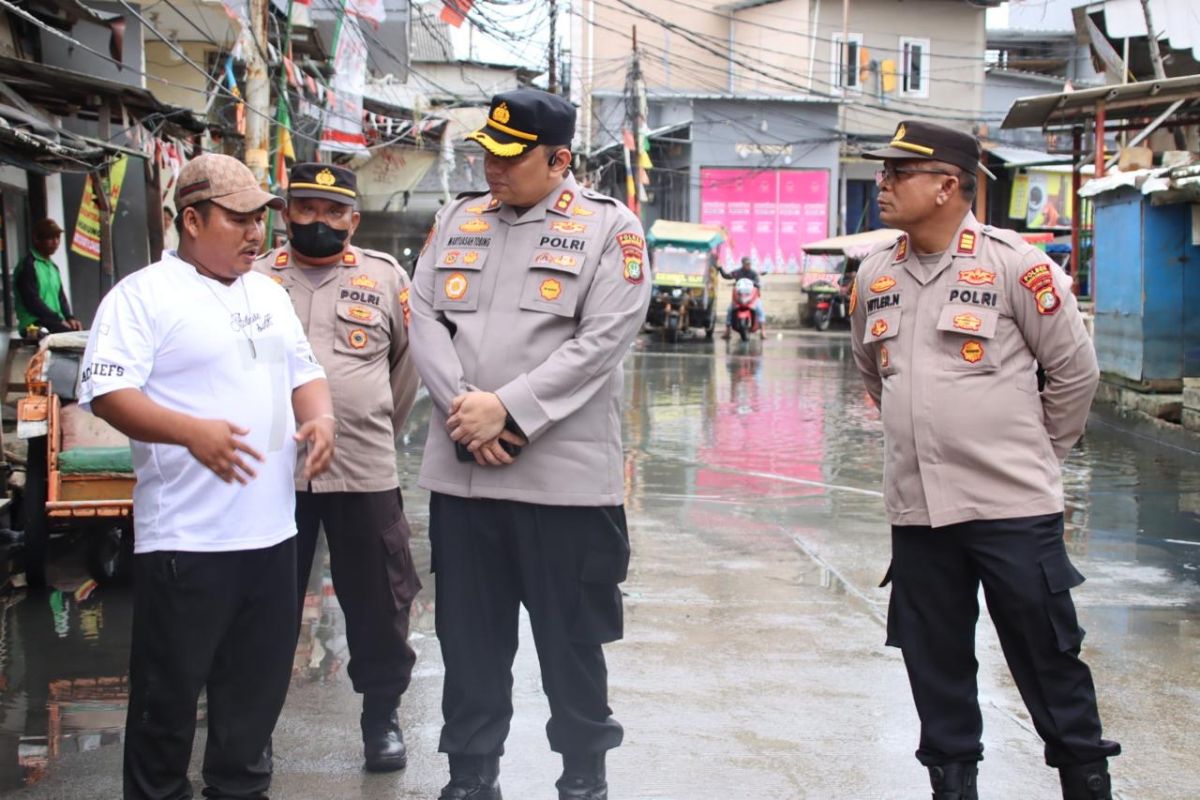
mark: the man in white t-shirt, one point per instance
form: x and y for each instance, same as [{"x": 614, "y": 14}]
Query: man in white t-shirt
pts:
[{"x": 204, "y": 365}]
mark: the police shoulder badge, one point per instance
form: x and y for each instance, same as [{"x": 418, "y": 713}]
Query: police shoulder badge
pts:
[
  {"x": 966, "y": 243},
  {"x": 404, "y": 307},
  {"x": 564, "y": 201},
  {"x": 1039, "y": 280},
  {"x": 281, "y": 260},
  {"x": 633, "y": 249},
  {"x": 349, "y": 258},
  {"x": 358, "y": 338},
  {"x": 853, "y": 295},
  {"x": 902, "y": 249},
  {"x": 972, "y": 351}
]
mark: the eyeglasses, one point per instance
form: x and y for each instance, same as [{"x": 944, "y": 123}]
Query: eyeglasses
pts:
[{"x": 890, "y": 174}]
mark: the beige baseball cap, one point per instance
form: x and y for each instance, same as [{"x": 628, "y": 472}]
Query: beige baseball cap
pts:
[{"x": 224, "y": 180}]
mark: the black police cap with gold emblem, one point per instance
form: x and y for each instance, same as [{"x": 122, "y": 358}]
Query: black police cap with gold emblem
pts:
[
  {"x": 525, "y": 118},
  {"x": 327, "y": 181},
  {"x": 916, "y": 139}
]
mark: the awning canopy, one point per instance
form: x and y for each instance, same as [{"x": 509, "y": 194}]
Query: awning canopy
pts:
[
  {"x": 1140, "y": 100},
  {"x": 690, "y": 235},
  {"x": 64, "y": 92},
  {"x": 1024, "y": 157},
  {"x": 853, "y": 245}
]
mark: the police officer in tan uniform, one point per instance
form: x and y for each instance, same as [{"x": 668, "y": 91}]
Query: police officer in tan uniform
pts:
[
  {"x": 525, "y": 302},
  {"x": 354, "y": 305},
  {"x": 949, "y": 325}
]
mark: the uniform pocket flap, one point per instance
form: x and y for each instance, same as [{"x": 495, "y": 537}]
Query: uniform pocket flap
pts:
[
  {"x": 881, "y": 326},
  {"x": 1060, "y": 573},
  {"x": 602, "y": 566},
  {"x": 968, "y": 320},
  {"x": 462, "y": 258},
  {"x": 359, "y": 313},
  {"x": 558, "y": 261}
]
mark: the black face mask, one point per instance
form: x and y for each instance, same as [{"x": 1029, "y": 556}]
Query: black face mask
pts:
[{"x": 318, "y": 240}]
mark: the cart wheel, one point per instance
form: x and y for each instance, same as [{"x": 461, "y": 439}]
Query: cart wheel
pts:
[
  {"x": 33, "y": 505},
  {"x": 671, "y": 331},
  {"x": 821, "y": 319},
  {"x": 110, "y": 556},
  {"x": 712, "y": 322}
]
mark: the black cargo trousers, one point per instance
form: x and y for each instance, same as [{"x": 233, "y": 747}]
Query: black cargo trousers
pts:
[
  {"x": 564, "y": 564},
  {"x": 1027, "y": 579},
  {"x": 373, "y": 577}
]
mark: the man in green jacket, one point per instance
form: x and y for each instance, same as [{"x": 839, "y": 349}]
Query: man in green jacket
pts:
[{"x": 41, "y": 301}]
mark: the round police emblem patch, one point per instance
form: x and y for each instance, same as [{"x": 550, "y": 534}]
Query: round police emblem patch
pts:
[{"x": 358, "y": 338}]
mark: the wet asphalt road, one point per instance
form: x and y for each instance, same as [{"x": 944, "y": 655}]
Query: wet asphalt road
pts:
[{"x": 753, "y": 665}]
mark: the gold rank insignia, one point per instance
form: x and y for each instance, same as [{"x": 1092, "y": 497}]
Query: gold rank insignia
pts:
[
  {"x": 972, "y": 352},
  {"x": 358, "y": 312},
  {"x": 551, "y": 289},
  {"x": 882, "y": 284},
  {"x": 564, "y": 201},
  {"x": 977, "y": 277},
  {"x": 349, "y": 259},
  {"x": 885, "y": 359},
  {"x": 476, "y": 209},
  {"x": 580, "y": 211},
  {"x": 563, "y": 226},
  {"x": 476, "y": 225},
  {"x": 853, "y": 296},
  {"x": 492, "y": 205},
  {"x": 358, "y": 338},
  {"x": 281, "y": 260},
  {"x": 967, "y": 322},
  {"x": 902, "y": 250},
  {"x": 559, "y": 259},
  {"x": 364, "y": 282},
  {"x": 470, "y": 257},
  {"x": 456, "y": 286},
  {"x": 966, "y": 243},
  {"x": 278, "y": 279}
]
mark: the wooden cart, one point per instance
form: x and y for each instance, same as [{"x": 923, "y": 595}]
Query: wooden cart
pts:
[{"x": 79, "y": 471}]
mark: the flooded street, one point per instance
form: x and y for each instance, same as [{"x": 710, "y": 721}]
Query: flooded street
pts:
[{"x": 753, "y": 664}]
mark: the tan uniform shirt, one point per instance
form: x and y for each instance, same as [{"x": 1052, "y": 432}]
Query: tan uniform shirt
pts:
[
  {"x": 541, "y": 309},
  {"x": 356, "y": 320},
  {"x": 950, "y": 356}
]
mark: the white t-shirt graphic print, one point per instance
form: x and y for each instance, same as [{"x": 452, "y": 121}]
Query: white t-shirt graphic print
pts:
[{"x": 185, "y": 341}]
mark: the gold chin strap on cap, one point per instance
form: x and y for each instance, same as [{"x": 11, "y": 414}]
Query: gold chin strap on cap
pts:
[
  {"x": 509, "y": 150},
  {"x": 912, "y": 148}
]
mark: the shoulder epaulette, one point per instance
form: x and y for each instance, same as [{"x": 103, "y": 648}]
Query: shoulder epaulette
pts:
[
  {"x": 469, "y": 195},
  {"x": 592, "y": 194},
  {"x": 388, "y": 257},
  {"x": 1008, "y": 237}
]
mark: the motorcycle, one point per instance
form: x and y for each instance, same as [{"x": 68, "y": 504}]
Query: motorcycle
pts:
[
  {"x": 828, "y": 303},
  {"x": 745, "y": 298}
]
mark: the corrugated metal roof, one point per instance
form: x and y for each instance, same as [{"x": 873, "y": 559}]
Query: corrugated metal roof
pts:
[
  {"x": 430, "y": 36},
  {"x": 1128, "y": 101},
  {"x": 1023, "y": 156}
]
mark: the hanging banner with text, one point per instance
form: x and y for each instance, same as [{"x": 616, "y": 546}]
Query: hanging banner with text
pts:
[
  {"x": 343, "y": 128},
  {"x": 770, "y": 214},
  {"x": 86, "y": 241}
]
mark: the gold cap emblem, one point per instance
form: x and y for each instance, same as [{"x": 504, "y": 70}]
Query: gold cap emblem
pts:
[
  {"x": 900, "y": 132},
  {"x": 325, "y": 178},
  {"x": 502, "y": 114}
]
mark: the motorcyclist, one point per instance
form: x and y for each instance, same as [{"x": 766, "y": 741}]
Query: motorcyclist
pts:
[{"x": 745, "y": 271}]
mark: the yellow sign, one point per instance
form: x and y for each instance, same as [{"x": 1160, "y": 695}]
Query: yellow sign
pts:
[{"x": 86, "y": 241}]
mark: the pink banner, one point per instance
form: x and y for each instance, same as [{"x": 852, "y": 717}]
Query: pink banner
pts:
[{"x": 770, "y": 214}]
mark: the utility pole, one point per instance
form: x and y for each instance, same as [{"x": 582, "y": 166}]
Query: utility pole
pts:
[
  {"x": 258, "y": 94},
  {"x": 553, "y": 47}
]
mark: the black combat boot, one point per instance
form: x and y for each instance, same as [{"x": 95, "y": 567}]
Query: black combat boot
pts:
[
  {"x": 1086, "y": 781},
  {"x": 473, "y": 778},
  {"x": 957, "y": 781},
  {"x": 583, "y": 777},
  {"x": 383, "y": 743}
]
